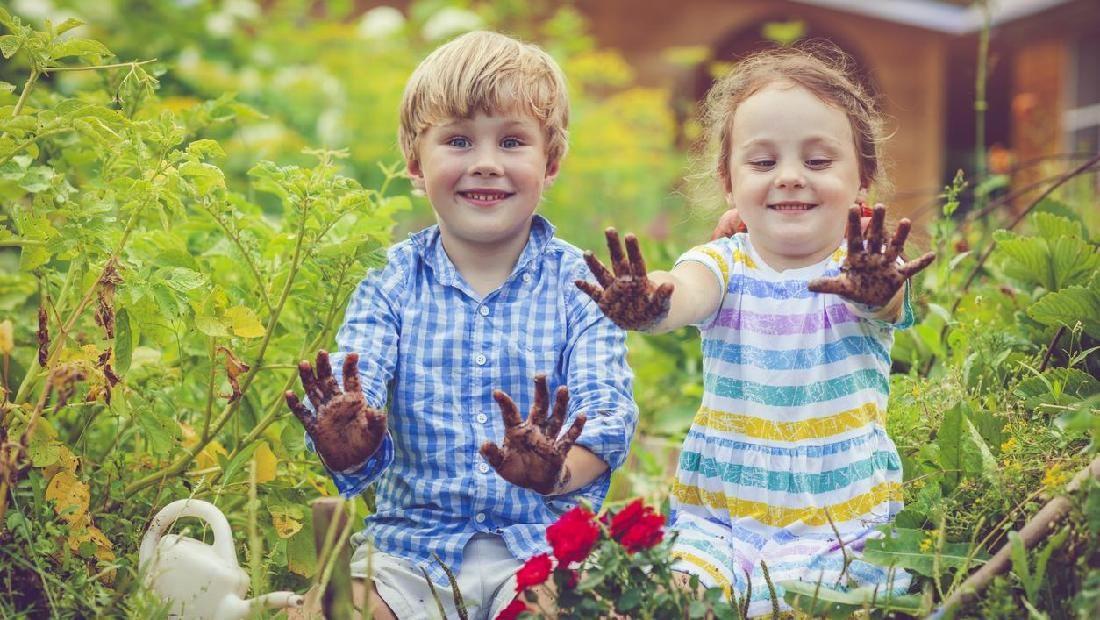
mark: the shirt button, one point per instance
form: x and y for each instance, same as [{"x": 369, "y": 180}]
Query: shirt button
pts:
[
  {"x": 526, "y": 277},
  {"x": 482, "y": 418},
  {"x": 480, "y": 517},
  {"x": 483, "y": 468},
  {"x": 479, "y": 359},
  {"x": 483, "y": 311}
]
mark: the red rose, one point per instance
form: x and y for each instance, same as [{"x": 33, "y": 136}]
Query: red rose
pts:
[
  {"x": 512, "y": 611},
  {"x": 573, "y": 535},
  {"x": 637, "y": 526},
  {"x": 534, "y": 572}
]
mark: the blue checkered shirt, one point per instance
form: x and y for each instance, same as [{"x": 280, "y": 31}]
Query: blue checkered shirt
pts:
[{"x": 435, "y": 350}]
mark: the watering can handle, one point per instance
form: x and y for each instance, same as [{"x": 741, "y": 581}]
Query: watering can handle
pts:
[{"x": 223, "y": 537}]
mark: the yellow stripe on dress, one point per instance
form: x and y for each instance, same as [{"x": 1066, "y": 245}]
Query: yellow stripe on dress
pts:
[
  {"x": 814, "y": 428},
  {"x": 705, "y": 566},
  {"x": 720, "y": 260},
  {"x": 781, "y": 516}
]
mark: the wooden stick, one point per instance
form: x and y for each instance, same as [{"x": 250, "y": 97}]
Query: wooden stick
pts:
[
  {"x": 330, "y": 536},
  {"x": 1033, "y": 532}
]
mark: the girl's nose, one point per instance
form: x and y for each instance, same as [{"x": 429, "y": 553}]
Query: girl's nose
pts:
[{"x": 789, "y": 176}]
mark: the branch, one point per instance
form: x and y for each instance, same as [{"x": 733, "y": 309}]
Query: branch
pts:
[{"x": 1033, "y": 532}]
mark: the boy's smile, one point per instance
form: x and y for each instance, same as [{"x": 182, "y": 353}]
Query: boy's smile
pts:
[
  {"x": 484, "y": 176},
  {"x": 793, "y": 174}
]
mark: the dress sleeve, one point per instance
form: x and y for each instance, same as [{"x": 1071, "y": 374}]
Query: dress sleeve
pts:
[{"x": 719, "y": 256}]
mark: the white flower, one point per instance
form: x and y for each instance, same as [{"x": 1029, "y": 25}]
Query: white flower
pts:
[
  {"x": 36, "y": 10},
  {"x": 450, "y": 21},
  {"x": 331, "y": 128},
  {"x": 220, "y": 25},
  {"x": 381, "y": 23},
  {"x": 242, "y": 9}
]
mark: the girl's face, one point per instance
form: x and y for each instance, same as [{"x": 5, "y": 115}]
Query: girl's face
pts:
[{"x": 793, "y": 174}]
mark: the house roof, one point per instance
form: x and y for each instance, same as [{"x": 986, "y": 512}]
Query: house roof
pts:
[{"x": 939, "y": 16}]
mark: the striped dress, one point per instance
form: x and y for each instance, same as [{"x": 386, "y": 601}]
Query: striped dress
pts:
[{"x": 790, "y": 435}]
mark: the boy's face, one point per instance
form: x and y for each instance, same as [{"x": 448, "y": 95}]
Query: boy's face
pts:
[
  {"x": 793, "y": 174},
  {"x": 484, "y": 176}
]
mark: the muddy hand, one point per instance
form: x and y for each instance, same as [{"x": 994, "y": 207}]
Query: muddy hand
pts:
[
  {"x": 627, "y": 296},
  {"x": 871, "y": 274},
  {"x": 533, "y": 455},
  {"x": 345, "y": 431}
]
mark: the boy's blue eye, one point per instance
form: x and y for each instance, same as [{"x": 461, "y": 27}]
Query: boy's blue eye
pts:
[
  {"x": 762, "y": 163},
  {"x": 511, "y": 143},
  {"x": 459, "y": 142},
  {"x": 818, "y": 164}
]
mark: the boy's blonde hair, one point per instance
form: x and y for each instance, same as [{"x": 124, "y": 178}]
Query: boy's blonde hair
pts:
[
  {"x": 488, "y": 72},
  {"x": 819, "y": 67}
]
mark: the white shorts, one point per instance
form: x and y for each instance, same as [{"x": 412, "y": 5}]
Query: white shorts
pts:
[{"x": 486, "y": 579}]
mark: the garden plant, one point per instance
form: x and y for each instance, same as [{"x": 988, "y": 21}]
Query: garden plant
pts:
[{"x": 187, "y": 207}]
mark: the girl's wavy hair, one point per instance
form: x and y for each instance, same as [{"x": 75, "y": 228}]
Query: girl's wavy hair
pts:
[
  {"x": 821, "y": 68},
  {"x": 488, "y": 72}
]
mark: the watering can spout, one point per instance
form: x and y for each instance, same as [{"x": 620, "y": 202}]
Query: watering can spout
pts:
[{"x": 277, "y": 600}]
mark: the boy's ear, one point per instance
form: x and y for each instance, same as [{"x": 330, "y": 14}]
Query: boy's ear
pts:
[
  {"x": 416, "y": 173},
  {"x": 552, "y": 169}
]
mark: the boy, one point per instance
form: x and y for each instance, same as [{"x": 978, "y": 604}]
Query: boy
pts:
[{"x": 483, "y": 300}]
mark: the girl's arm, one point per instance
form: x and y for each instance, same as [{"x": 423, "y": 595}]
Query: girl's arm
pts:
[
  {"x": 656, "y": 302},
  {"x": 695, "y": 295}
]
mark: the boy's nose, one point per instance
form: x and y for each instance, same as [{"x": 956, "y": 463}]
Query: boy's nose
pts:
[{"x": 485, "y": 164}]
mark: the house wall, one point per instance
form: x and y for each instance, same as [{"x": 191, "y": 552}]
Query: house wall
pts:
[
  {"x": 1039, "y": 89},
  {"x": 906, "y": 64}
]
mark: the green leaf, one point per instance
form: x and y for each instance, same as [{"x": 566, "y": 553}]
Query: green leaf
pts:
[
  {"x": 301, "y": 554},
  {"x": 902, "y": 548},
  {"x": 818, "y": 600},
  {"x": 949, "y": 440},
  {"x": 205, "y": 177},
  {"x": 124, "y": 341},
  {"x": 1068, "y": 307},
  {"x": 89, "y": 49},
  {"x": 68, "y": 25},
  {"x": 7, "y": 87},
  {"x": 212, "y": 326},
  {"x": 10, "y": 44},
  {"x": 1020, "y": 566},
  {"x": 1052, "y": 227},
  {"x": 160, "y": 431},
  {"x": 989, "y": 468},
  {"x": 182, "y": 279}
]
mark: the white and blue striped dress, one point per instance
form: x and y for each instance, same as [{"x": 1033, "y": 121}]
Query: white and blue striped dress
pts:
[{"x": 790, "y": 435}]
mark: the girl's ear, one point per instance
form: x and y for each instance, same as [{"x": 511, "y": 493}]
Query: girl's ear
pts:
[{"x": 416, "y": 173}]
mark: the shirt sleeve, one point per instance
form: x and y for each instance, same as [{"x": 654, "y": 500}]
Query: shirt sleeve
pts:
[
  {"x": 718, "y": 256},
  {"x": 600, "y": 384},
  {"x": 371, "y": 327}
]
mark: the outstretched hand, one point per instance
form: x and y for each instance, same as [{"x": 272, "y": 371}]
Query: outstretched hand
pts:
[
  {"x": 629, "y": 298},
  {"x": 533, "y": 455},
  {"x": 871, "y": 274},
  {"x": 345, "y": 431}
]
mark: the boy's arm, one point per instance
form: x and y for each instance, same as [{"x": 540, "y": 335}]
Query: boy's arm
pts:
[
  {"x": 354, "y": 452},
  {"x": 872, "y": 278},
  {"x": 653, "y": 302}
]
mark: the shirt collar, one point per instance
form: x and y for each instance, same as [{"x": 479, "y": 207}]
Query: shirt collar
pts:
[{"x": 429, "y": 247}]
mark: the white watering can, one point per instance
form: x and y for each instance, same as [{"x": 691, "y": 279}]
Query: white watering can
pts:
[{"x": 203, "y": 582}]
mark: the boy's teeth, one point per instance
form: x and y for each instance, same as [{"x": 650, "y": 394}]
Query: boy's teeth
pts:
[{"x": 480, "y": 196}]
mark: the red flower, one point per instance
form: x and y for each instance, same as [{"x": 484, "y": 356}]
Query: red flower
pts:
[
  {"x": 573, "y": 535},
  {"x": 513, "y": 610},
  {"x": 534, "y": 572},
  {"x": 637, "y": 526}
]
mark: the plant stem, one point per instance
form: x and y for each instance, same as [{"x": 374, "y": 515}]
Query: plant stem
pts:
[
  {"x": 117, "y": 65},
  {"x": 1050, "y": 349},
  {"x": 210, "y": 390},
  {"x": 31, "y": 79}
]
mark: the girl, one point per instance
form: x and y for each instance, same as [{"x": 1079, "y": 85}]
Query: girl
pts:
[{"x": 789, "y": 448}]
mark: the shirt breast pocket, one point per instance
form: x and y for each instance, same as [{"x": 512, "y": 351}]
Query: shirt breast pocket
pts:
[{"x": 534, "y": 355}]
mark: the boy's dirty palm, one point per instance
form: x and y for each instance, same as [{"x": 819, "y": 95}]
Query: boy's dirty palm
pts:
[{"x": 346, "y": 431}]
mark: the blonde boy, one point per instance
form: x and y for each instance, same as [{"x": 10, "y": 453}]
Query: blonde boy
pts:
[{"x": 467, "y": 312}]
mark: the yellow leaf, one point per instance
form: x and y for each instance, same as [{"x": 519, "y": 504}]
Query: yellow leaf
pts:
[
  {"x": 69, "y": 495},
  {"x": 244, "y": 321},
  {"x": 7, "y": 342},
  {"x": 66, "y": 461},
  {"x": 209, "y": 455},
  {"x": 265, "y": 461},
  {"x": 285, "y": 526}
]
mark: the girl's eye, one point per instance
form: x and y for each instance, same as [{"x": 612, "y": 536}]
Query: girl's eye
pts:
[
  {"x": 818, "y": 164},
  {"x": 762, "y": 163},
  {"x": 511, "y": 143},
  {"x": 459, "y": 142}
]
